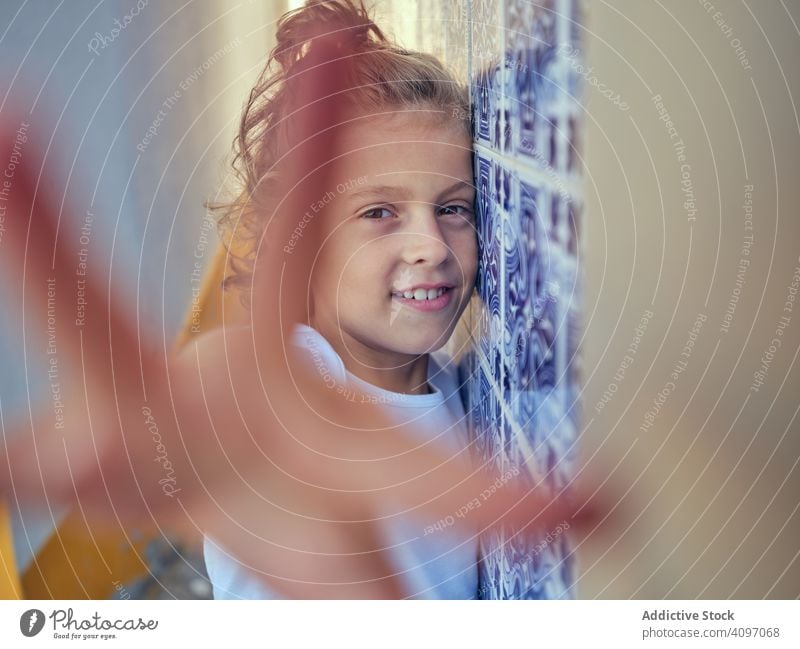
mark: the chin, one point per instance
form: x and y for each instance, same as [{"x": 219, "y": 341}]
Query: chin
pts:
[{"x": 417, "y": 344}]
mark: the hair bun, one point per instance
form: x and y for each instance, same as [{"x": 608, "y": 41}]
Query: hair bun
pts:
[{"x": 343, "y": 24}]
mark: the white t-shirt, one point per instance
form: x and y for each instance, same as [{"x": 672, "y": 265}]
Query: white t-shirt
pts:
[{"x": 432, "y": 561}]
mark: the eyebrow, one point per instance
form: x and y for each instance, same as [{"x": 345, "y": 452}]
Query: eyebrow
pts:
[{"x": 404, "y": 192}]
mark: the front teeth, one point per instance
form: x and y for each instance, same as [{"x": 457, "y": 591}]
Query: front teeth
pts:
[{"x": 423, "y": 294}]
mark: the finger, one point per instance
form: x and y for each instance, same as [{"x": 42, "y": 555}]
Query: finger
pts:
[
  {"x": 350, "y": 451},
  {"x": 63, "y": 281},
  {"x": 70, "y": 330},
  {"x": 281, "y": 282}
]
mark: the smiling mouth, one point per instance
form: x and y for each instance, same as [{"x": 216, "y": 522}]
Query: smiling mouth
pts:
[
  {"x": 433, "y": 300},
  {"x": 422, "y": 294}
]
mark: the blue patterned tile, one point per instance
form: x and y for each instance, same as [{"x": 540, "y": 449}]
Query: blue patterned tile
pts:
[
  {"x": 485, "y": 98},
  {"x": 537, "y": 252},
  {"x": 485, "y": 407},
  {"x": 527, "y": 131},
  {"x": 531, "y": 61},
  {"x": 489, "y": 245},
  {"x": 492, "y": 566},
  {"x": 486, "y": 74}
]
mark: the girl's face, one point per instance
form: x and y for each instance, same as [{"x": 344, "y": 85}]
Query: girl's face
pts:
[{"x": 399, "y": 254}]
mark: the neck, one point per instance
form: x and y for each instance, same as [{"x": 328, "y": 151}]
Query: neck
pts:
[{"x": 392, "y": 371}]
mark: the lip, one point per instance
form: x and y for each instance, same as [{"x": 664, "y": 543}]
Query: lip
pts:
[
  {"x": 428, "y": 305},
  {"x": 425, "y": 286}
]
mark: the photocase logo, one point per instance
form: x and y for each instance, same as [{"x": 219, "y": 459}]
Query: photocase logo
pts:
[{"x": 31, "y": 622}]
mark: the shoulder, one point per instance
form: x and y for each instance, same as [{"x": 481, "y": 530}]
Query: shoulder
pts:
[
  {"x": 233, "y": 345},
  {"x": 319, "y": 353}
]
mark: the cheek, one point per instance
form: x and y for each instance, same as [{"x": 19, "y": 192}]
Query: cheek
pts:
[
  {"x": 327, "y": 278},
  {"x": 335, "y": 260},
  {"x": 362, "y": 270}
]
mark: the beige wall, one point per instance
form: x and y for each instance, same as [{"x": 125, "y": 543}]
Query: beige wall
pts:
[{"x": 715, "y": 478}]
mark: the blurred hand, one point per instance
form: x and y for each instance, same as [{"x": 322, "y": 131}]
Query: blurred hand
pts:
[{"x": 236, "y": 438}]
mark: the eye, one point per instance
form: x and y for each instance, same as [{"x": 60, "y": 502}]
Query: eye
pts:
[
  {"x": 449, "y": 210},
  {"x": 374, "y": 213}
]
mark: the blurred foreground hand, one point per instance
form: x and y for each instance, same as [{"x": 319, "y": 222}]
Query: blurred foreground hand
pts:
[{"x": 236, "y": 438}]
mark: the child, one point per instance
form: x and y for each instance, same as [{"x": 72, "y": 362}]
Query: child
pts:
[
  {"x": 334, "y": 466},
  {"x": 396, "y": 264}
]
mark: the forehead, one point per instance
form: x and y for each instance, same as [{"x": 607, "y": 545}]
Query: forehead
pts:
[{"x": 404, "y": 141}]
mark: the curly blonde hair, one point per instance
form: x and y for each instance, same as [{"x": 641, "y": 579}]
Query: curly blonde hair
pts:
[{"x": 382, "y": 75}]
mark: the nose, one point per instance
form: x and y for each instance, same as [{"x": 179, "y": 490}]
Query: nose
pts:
[{"x": 423, "y": 241}]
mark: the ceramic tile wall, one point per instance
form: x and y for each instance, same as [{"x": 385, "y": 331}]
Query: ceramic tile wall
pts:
[{"x": 522, "y": 382}]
